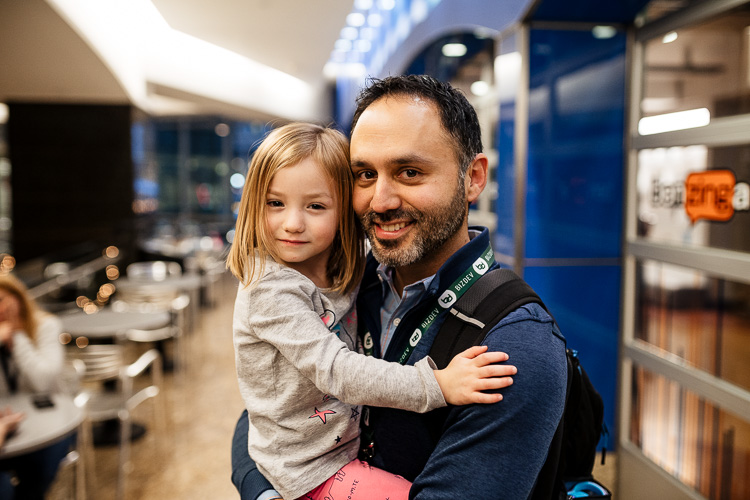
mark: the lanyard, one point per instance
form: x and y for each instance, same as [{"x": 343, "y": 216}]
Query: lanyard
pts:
[{"x": 445, "y": 301}]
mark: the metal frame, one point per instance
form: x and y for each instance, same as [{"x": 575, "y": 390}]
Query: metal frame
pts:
[{"x": 521, "y": 151}]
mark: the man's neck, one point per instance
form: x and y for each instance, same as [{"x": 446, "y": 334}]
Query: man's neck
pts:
[{"x": 429, "y": 265}]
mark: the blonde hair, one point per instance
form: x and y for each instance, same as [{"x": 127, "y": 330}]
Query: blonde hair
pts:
[
  {"x": 285, "y": 147},
  {"x": 28, "y": 308}
]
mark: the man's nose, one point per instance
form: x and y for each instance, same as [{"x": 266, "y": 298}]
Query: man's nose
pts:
[{"x": 385, "y": 196}]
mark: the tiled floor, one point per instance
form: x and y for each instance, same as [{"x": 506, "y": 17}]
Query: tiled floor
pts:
[{"x": 190, "y": 459}]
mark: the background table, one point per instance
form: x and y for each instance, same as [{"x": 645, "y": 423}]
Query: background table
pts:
[
  {"x": 186, "y": 283},
  {"x": 42, "y": 426},
  {"x": 108, "y": 323}
]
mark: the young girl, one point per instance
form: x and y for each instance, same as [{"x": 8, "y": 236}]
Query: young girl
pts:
[{"x": 299, "y": 254}]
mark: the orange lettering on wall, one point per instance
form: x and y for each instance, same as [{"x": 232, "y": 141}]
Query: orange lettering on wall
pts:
[{"x": 708, "y": 195}]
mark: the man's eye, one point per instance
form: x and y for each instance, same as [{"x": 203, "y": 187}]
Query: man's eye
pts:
[
  {"x": 366, "y": 175},
  {"x": 410, "y": 172}
]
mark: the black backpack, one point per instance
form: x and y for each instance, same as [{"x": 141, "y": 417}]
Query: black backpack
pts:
[{"x": 573, "y": 450}]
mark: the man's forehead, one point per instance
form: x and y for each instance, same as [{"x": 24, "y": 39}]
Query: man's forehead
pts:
[{"x": 403, "y": 114}]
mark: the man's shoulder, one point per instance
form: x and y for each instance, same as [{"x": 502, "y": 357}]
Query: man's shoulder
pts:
[{"x": 529, "y": 325}]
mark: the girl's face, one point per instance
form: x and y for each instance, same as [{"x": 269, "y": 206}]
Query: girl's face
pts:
[{"x": 302, "y": 215}]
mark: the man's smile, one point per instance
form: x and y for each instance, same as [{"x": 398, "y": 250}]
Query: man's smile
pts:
[{"x": 393, "y": 226}]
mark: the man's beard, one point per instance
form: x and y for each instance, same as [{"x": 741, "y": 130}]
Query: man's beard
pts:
[{"x": 431, "y": 230}]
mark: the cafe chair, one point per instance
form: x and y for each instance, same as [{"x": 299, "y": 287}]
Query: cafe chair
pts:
[
  {"x": 70, "y": 381},
  {"x": 171, "y": 331},
  {"x": 159, "y": 337},
  {"x": 104, "y": 363},
  {"x": 212, "y": 271}
]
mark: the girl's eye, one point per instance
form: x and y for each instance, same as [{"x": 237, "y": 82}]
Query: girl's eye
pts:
[
  {"x": 274, "y": 203},
  {"x": 317, "y": 206}
]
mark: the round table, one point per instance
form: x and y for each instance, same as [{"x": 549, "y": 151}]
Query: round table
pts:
[
  {"x": 42, "y": 426},
  {"x": 184, "y": 283},
  {"x": 109, "y": 323}
]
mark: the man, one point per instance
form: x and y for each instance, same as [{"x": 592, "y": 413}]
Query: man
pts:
[{"x": 417, "y": 159}]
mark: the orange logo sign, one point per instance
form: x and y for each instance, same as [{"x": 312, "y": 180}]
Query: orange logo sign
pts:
[{"x": 709, "y": 195}]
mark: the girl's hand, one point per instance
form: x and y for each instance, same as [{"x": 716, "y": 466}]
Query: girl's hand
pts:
[
  {"x": 473, "y": 371},
  {"x": 6, "y": 332}
]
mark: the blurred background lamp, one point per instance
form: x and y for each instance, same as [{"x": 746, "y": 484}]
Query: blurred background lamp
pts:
[
  {"x": 343, "y": 45},
  {"x": 237, "y": 181},
  {"x": 386, "y": 4},
  {"x": 375, "y": 20},
  {"x": 603, "y": 32},
  {"x": 669, "y": 122},
  {"x": 363, "y": 45},
  {"x": 349, "y": 33},
  {"x": 355, "y": 19},
  {"x": 454, "y": 49},
  {"x": 480, "y": 88},
  {"x": 222, "y": 130},
  {"x": 669, "y": 37}
]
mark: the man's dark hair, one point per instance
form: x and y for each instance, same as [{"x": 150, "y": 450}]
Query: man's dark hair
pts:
[{"x": 456, "y": 113}]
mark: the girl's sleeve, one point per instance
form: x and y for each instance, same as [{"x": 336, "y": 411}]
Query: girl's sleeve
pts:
[
  {"x": 282, "y": 314},
  {"x": 40, "y": 363}
]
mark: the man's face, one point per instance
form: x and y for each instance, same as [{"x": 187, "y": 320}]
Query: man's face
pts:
[{"x": 407, "y": 191}]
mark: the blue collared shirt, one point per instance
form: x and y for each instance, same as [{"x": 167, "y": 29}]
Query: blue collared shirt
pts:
[{"x": 394, "y": 307}]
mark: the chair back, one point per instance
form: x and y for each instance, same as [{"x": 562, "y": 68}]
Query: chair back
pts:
[{"x": 101, "y": 361}]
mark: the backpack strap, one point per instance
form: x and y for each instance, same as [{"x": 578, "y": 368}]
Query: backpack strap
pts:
[
  {"x": 489, "y": 300},
  {"x": 495, "y": 295}
]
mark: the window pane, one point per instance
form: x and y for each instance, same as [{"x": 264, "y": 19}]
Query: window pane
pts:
[
  {"x": 703, "y": 320},
  {"x": 704, "y": 447},
  {"x": 701, "y": 66}
]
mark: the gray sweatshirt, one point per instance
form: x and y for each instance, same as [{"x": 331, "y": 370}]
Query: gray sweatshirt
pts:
[{"x": 302, "y": 380}]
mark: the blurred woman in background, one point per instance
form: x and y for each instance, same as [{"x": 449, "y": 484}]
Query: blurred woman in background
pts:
[{"x": 31, "y": 358}]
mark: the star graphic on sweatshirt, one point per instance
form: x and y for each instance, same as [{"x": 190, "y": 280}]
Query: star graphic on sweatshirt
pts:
[
  {"x": 322, "y": 414},
  {"x": 338, "y": 439},
  {"x": 355, "y": 414}
]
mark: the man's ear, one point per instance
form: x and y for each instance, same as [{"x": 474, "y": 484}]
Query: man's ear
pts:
[{"x": 476, "y": 177}]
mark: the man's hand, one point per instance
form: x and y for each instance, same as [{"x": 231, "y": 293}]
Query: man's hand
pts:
[{"x": 473, "y": 371}]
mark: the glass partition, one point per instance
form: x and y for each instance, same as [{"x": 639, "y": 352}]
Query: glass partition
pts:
[
  {"x": 704, "y": 447},
  {"x": 700, "y": 66},
  {"x": 695, "y": 195},
  {"x": 701, "y": 319}
]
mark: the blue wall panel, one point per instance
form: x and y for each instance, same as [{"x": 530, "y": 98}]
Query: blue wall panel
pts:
[
  {"x": 575, "y": 167},
  {"x": 574, "y": 196}
]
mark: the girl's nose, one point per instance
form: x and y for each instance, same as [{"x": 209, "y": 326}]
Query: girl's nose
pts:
[{"x": 294, "y": 222}]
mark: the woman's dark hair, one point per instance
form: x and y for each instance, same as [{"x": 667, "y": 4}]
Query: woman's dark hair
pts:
[{"x": 456, "y": 113}]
